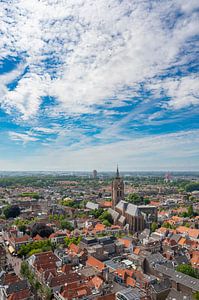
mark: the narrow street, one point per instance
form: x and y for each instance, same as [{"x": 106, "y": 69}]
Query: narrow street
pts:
[{"x": 14, "y": 261}]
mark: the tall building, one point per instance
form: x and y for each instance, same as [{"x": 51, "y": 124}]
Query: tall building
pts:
[
  {"x": 117, "y": 190},
  {"x": 135, "y": 217},
  {"x": 94, "y": 174}
]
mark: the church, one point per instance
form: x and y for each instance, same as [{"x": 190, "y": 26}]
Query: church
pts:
[{"x": 134, "y": 217}]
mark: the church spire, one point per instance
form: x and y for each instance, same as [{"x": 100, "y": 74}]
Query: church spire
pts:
[{"x": 117, "y": 173}]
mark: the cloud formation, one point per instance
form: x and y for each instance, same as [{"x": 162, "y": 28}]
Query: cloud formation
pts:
[
  {"x": 83, "y": 52},
  {"x": 78, "y": 73}
]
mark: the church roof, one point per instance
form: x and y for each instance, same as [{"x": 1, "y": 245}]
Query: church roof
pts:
[
  {"x": 113, "y": 213},
  {"x": 122, "y": 205},
  {"x": 132, "y": 210},
  {"x": 129, "y": 208}
]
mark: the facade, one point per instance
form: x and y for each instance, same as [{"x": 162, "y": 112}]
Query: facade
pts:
[
  {"x": 117, "y": 190},
  {"x": 2, "y": 257}
]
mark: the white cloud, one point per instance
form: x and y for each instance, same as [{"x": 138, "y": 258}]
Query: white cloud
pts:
[
  {"x": 22, "y": 137},
  {"x": 100, "y": 46},
  {"x": 182, "y": 91},
  {"x": 177, "y": 151}
]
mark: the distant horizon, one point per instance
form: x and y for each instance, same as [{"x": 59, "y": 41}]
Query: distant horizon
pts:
[{"x": 99, "y": 171}]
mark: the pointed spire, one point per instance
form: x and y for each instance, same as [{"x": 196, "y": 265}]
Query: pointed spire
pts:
[{"x": 117, "y": 173}]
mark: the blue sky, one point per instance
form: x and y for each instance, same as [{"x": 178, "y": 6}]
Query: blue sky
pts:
[{"x": 87, "y": 84}]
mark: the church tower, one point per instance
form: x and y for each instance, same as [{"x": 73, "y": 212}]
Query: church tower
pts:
[{"x": 117, "y": 189}]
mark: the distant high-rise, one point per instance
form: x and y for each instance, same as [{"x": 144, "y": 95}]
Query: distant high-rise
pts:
[
  {"x": 94, "y": 174},
  {"x": 117, "y": 189}
]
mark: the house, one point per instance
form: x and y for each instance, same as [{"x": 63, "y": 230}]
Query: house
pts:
[
  {"x": 160, "y": 290},
  {"x": 2, "y": 257},
  {"x": 17, "y": 242},
  {"x": 131, "y": 294},
  {"x": 195, "y": 259},
  {"x": 192, "y": 233},
  {"x": 13, "y": 288},
  {"x": 42, "y": 264},
  {"x": 57, "y": 237},
  {"x": 181, "y": 282},
  {"x": 95, "y": 263},
  {"x": 74, "y": 291}
]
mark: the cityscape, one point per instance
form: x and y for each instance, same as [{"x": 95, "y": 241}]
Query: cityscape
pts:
[
  {"x": 99, "y": 150},
  {"x": 99, "y": 236}
]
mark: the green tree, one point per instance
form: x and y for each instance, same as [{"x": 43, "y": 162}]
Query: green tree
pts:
[
  {"x": 97, "y": 212},
  {"x": 154, "y": 226},
  {"x": 106, "y": 223},
  {"x": 188, "y": 270},
  {"x": 190, "y": 211},
  {"x": 106, "y": 216},
  {"x": 192, "y": 187},
  {"x": 11, "y": 211},
  {"x": 66, "y": 225},
  {"x": 196, "y": 295},
  {"x": 24, "y": 269},
  {"x": 146, "y": 201},
  {"x": 135, "y": 198}
]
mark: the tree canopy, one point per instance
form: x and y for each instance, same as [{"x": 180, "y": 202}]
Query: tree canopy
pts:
[
  {"x": 11, "y": 211},
  {"x": 42, "y": 229},
  {"x": 190, "y": 187},
  {"x": 135, "y": 198},
  {"x": 188, "y": 270}
]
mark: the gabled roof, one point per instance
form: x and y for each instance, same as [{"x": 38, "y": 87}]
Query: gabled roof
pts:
[
  {"x": 132, "y": 210},
  {"x": 97, "y": 282},
  {"x": 194, "y": 233},
  {"x": 127, "y": 243},
  {"x": 21, "y": 295},
  {"x": 95, "y": 263},
  {"x": 74, "y": 248}
]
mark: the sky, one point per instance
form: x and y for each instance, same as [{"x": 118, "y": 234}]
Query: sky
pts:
[{"x": 89, "y": 84}]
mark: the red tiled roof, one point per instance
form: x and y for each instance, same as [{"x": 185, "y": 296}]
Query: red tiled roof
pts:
[
  {"x": 75, "y": 291},
  {"x": 127, "y": 243},
  {"x": 23, "y": 239},
  {"x": 136, "y": 250},
  {"x": 93, "y": 262},
  {"x": 74, "y": 248},
  {"x": 97, "y": 282},
  {"x": 100, "y": 227},
  {"x": 37, "y": 238},
  {"x": 10, "y": 278},
  {"x": 106, "y": 204},
  {"x": 21, "y": 295},
  {"x": 194, "y": 233},
  {"x": 130, "y": 281}
]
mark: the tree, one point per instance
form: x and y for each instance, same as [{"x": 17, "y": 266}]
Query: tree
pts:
[
  {"x": 97, "y": 212},
  {"x": 106, "y": 223},
  {"x": 190, "y": 211},
  {"x": 72, "y": 240},
  {"x": 24, "y": 269},
  {"x": 196, "y": 295},
  {"x": 154, "y": 226},
  {"x": 194, "y": 186},
  {"x": 22, "y": 228},
  {"x": 42, "y": 229},
  {"x": 146, "y": 201},
  {"x": 35, "y": 247},
  {"x": 106, "y": 216},
  {"x": 66, "y": 225},
  {"x": 188, "y": 270},
  {"x": 11, "y": 211},
  {"x": 135, "y": 198}
]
